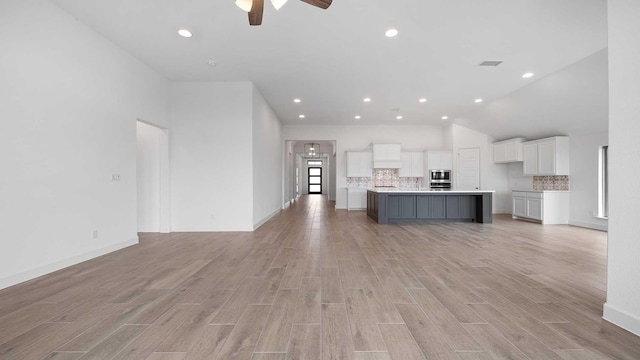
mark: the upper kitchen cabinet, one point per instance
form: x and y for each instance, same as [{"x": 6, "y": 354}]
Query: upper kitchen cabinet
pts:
[
  {"x": 548, "y": 156},
  {"x": 387, "y": 156},
  {"x": 439, "y": 160},
  {"x": 412, "y": 165},
  {"x": 359, "y": 164},
  {"x": 507, "y": 151}
]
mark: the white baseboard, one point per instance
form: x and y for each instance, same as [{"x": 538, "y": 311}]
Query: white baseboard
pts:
[
  {"x": 286, "y": 205},
  {"x": 622, "y": 319},
  {"x": 195, "y": 229},
  {"x": 148, "y": 229},
  {"x": 263, "y": 221},
  {"x": 165, "y": 229},
  {"x": 46, "y": 269},
  {"x": 502, "y": 211},
  {"x": 589, "y": 225}
]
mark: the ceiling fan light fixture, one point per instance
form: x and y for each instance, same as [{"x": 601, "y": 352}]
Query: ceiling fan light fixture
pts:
[
  {"x": 278, "y": 3},
  {"x": 245, "y": 5}
]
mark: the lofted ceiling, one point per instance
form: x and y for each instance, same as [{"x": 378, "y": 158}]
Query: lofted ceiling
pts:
[{"x": 332, "y": 59}]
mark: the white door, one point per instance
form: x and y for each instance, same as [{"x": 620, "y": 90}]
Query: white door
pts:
[{"x": 469, "y": 169}]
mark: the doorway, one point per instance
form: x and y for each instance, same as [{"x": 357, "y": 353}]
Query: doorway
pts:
[
  {"x": 315, "y": 180},
  {"x": 152, "y": 172},
  {"x": 469, "y": 169}
]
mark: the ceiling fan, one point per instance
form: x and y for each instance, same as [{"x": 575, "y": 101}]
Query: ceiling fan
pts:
[{"x": 255, "y": 7}]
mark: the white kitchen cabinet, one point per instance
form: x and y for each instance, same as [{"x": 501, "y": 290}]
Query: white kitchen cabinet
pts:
[
  {"x": 547, "y": 207},
  {"x": 356, "y": 199},
  {"x": 548, "y": 156},
  {"x": 387, "y": 156},
  {"x": 412, "y": 165},
  {"x": 507, "y": 151},
  {"x": 359, "y": 164},
  {"x": 440, "y": 160}
]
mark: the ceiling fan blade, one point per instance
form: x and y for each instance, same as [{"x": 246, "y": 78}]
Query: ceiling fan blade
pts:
[
  {"x": 322, "y": 4},
  {"x": 255, "y": 15}
]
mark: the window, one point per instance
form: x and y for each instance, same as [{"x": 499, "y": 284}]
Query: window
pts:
[
  {"x": 603, "y": 183},
  {"x": 314, "y": 162}
]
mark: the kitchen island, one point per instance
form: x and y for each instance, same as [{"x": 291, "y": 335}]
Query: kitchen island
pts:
[{"x": 395, "y": 205}]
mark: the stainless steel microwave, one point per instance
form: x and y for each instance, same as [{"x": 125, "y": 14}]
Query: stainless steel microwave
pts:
[{"x": 440, "y": 176}]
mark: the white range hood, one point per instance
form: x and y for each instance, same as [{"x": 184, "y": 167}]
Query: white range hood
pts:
[{"x": 387, "y": 156}]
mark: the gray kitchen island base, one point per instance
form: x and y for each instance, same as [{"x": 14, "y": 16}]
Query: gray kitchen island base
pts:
[{"x": 434, "y": 206}]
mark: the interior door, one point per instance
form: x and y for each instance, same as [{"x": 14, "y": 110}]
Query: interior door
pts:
[{"x": 469, "y": 169}]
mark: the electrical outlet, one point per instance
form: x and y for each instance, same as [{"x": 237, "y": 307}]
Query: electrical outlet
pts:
[
  {"x": 115, "y": 177},
  {"x": 94, "y": 234}
]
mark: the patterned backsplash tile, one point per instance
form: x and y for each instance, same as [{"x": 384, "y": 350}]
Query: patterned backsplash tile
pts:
[
  {"x": 386, "y": 178},
  {"x": 560, "y": 182}
]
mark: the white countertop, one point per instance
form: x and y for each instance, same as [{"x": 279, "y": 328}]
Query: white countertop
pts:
[
  {"x": 421, "y": 191},
  {"x": 540, "y": 191}
]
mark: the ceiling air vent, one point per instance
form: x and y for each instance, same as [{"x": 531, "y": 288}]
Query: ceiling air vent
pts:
[{"x": 490, "y": 63}]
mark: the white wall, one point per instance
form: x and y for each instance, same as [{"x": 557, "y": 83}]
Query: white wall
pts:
[
  {"x": 211, "y": 156},
  {"x": 267, "y": 160},
  {"x": 69, "y": 104},
  {"x": 332, "y": 172},
  {"x": 623, "y": 282},
  {"x": 517, "y": 181},
  {"x": 354, "y": 138},
  {"x": 492, "y": 176},
  {"x": 584, "y": 180}
]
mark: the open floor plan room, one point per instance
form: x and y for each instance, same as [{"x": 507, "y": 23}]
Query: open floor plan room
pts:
[{"x": 316, "y": 283}]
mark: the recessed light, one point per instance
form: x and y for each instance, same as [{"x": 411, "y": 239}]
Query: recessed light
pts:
[
  {"x": 391, "y": 33},
  {"x": 367, "y": 99},
  {"x": 445, "y": 117},
  {"x": 478, "y": 101},
  {"x": 527, "y": 75},
  {"x": 399, "y": 117},
  {"x": 185, "y": 33},
  {"x": 357, "y": 117},
  {"x": 297, "y": 101},
  {"x": 423, "y": 100},
  {"x": 301, "y": 116},
  {"x": 211, "y": 63}
]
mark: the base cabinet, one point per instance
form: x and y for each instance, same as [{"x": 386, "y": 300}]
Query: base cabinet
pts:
[
  {"x": 356, "y": 199},
  {"x": 547, "y": 207},
  {"x": 460, "y": 207},
  {"x": 430, "y": 207},
  {"x": 401, "y": 207}
]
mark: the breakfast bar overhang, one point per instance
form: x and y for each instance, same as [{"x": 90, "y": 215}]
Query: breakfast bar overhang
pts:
[{"x": 385, "y": 206}]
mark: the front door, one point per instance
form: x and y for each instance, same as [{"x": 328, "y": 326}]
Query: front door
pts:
[{"x": 315, "y": 180}]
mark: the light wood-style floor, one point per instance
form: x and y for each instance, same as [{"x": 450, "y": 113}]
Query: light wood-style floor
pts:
[{"x": 315, "y": 283}]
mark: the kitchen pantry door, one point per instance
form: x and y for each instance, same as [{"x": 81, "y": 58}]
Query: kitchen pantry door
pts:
[{"x": 469, "y": 169}]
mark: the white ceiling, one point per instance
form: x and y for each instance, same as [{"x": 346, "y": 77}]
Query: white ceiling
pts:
[{"x": 333, "y": 59}]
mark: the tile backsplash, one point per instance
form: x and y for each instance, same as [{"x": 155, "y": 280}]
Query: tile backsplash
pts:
[
  {"x": 384, "y": 177},
  {"x": 560, "y": 182}
]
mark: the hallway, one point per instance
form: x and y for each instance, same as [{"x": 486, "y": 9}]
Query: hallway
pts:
[{"x": 315, "y": 283}]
